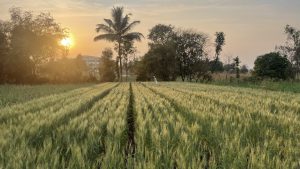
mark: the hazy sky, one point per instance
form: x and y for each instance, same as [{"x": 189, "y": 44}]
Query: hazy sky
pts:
[{"x": 252, "y": 27}]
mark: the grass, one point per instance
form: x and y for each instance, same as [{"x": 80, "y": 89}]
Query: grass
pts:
[
  {"x": 283, "y": 86},
  {"x": 14, "y": 94}
]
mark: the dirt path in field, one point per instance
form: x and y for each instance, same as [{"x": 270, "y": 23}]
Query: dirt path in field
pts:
[{"x": 131, "y": 144}]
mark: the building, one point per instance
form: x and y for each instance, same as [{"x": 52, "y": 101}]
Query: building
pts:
[{"x": 92, "y": 63}]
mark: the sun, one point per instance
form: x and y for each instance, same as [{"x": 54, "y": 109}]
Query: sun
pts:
[{"x": 66, "y": 42}]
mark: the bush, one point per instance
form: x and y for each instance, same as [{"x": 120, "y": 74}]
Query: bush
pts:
[{"x": 273, "y": 66}]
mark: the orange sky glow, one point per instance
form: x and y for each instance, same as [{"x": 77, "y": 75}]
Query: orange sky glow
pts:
[{"x": 252, "y": 28}]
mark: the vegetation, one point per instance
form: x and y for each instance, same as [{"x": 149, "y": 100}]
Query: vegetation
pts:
[
  {"x": 107, "y": 66},
  {"x": 174, "y": 53},
  {"x": 161, "y": 125},
  {"x": 27, "y": 42},
  {"x": 219, "y": 43},
  {"x": 15, "y": 94},
  {"x": 284, "y": 86},
  {"x": 291, "y": 49},
  {"x": 145, "y": 125},
  {"x": 274, "y": 66},
  {"x": 118, "y": 30}
]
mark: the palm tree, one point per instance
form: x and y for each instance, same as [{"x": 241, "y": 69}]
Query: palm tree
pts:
[{"x": 118, "y": 30}]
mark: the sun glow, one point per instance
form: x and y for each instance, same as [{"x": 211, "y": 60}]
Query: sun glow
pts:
[{"x": 67, "y": 42}]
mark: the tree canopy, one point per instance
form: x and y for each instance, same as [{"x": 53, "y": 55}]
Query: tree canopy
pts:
[{"x": 274, "y": 66}]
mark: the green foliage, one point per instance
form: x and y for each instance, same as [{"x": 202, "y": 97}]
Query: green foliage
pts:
[
  {"x": 244, "y": 69},
  {"x": 237, "y": 67},
  {"x": 66, "y": 70},
  {"x": 161, "y": 34},
  {"x": 118, "y": 30},
  {"x": 252, "y": 82},
  {"x": 107, "y": 66},
  {"x": 216, "y": 66},
  {"x": 219, "y": 42},
  {"x": 274, "y": 66},
  {"x": 190, "y": 51},
  {"x": 160, "y": 62},
  {"x": 15, "y": 94},
  {"x": 28, "y": 43},
  {"x": 174, "y": 53},
  {"x": 291, "y": 49}
]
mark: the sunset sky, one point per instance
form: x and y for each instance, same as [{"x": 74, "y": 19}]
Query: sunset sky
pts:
[{"x": 252, "y": 27}]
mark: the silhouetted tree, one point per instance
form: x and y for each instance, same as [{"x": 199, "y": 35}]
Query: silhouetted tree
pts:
[
  {"x": 4, "y": 49},
  {"x": 106, "y": 67},
  {"x": 33, "y": 41},
  {"x": 244, "y": 69},
  {"x": 66, "y": 70},
  {"x": 237, "y": 66},
  {"x": 118, "y": 30},
  {"x": 292, "y": 47},
  {"x": 219, "y": 43},
  {"x": 159, "y": 61},
  {"x": 161, "y": 34},
  {"x": 274, "y": 66},
  {"x": 216, "y": 66},
  {"x": 190, "y": 50},
  {"x": 128, "y": 49}
]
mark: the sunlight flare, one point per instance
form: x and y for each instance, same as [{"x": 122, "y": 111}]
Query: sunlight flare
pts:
[{"x": 67, "y": 42}]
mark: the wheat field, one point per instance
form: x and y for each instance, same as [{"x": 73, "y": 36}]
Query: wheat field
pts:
[{"x": 147, "y": 125}]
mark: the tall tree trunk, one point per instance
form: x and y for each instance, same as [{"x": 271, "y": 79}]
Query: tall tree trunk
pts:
[
  {"x": 117, "y": 68},
  {"x": 120, "y": 60},
  {"x": 126, "y": 67}
]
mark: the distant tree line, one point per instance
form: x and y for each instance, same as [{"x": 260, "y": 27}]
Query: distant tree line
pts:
[
  {"x": 177, "y": 53},
  {"x": 181, "y": 53},
  {"x": 30, "y": 50},
  {"x": 30, "y": 53}
]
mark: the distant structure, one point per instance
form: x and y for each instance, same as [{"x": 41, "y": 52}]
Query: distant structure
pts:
[{"x": 93, "y": 64}]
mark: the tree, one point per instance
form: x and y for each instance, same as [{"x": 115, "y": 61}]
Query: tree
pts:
[
  {"x": 159, "y": 61},
  {"x": 127, "y": 50},
  {"x": 106, "y": 67},
  {"x": 118, "y": 30},
  {"x": 161, "y": 34},
  {"x": 216, "y": 66},
  {"x": 244, "y": 69},
  {"x": 274, "y": 66},
  {"x": 292, "y": 47},
  {"x": 190, "y": 50},
  {"x": 237, "y": 66},
  {"x": 33, "y": 41},
  {"x": 66, "y": 70},
  {"x": 219, "y": 43},
  {"x": 4, "y": 49}
]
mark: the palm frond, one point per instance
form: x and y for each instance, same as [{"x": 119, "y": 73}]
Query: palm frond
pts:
[
  {"x": 109, "y": 37},
  {"x": 104, "y": 28},
  {"x": 110, "y": 23},
  {"x": 125, "y": 22},
  {"x": 133, "y": 36},
  {"x": 117, "y": 15},
  {"x": 130, "y": 26}
]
